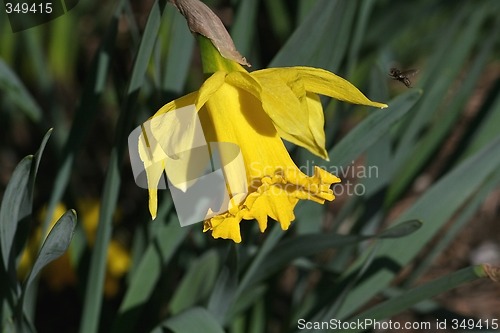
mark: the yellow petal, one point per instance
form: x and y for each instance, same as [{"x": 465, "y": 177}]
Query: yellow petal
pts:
[
  {"x": 151, "y": 151},
  {"x": 210, "y": 87},
  {"x": 273, "y": 200},
  {"x": 178, "y": 103},
  {"x": 316, "y": 124},
  {"x": 323, "y": 82},
  {"x": 253, "y": 112},
  {"x": 224, "y": 226},
  {"x": 275, "y": 183},
  {"x": 154, "y": 170},
  {"x": 288, "y": 108}
]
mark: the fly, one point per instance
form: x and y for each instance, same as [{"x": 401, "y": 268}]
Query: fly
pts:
[{"x": 402, "y": 76}]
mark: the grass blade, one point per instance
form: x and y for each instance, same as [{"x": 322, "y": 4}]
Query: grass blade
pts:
[
  {"x": 193, "y": 320},
  {"x": 225, "y": 287},
  {"x": 465, "y": 179},
  {"x": 430, "y": 289},
  {"x": 17, "y": 94},
  {"x": 95, "y": 285},
  {"x": 54, "y": 246},
  {"x": 371, "y": 129},
  {"x": 197, "y": 283},
  {"x": 11, "y": 209},
  {"x": 141, "y": 287}
]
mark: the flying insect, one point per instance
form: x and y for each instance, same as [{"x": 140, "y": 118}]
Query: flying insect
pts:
[{"x": 402, "y": 76}]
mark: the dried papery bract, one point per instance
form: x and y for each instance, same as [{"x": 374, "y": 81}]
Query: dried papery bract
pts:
[{"x": 202, "y": 20}]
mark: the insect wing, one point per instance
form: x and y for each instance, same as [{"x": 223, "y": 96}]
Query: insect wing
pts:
[{"x": 409, "y": 73}]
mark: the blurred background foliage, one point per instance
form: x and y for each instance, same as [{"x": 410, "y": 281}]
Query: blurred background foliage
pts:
[{"x": 102, "y": 69}]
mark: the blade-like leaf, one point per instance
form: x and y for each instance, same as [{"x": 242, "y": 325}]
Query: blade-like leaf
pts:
[
  {"x": 10, "y": 210},
  {"x": 16, "y": 93},
  {"x": 179, "y": 54},
  {"x": 401, "y": 230},
  {"x": 371, "y": 129},
  {"x": 434, "y": 138},
  {"x": 162, "y": 248},
  {"x": 487, "y": 130},
  {"x": 322, "y": 38},
  {"x": 305, "y": 245},
  {"x": 193, "y": 320},
  {"x": 87, "y": 109},
  {"x": 411, "y": 297},
  {"x": 225, "y": 286},
  {"x": 242, "y": 30},
  {"x": 245, "y": 301},
  {"x": 452, "y": 51},
  {"x": 466, "y": 214},
  {"x": 54, "y": 246},
  {"x": 197, "y": 283},
  {"x": 265, "y": 250},
  {"x": 434, "y": 208},
  {"x": 258, "y": 318},
  {"x": 96, "y": 275}
]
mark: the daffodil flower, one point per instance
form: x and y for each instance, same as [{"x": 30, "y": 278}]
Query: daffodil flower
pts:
[{"x": 256, "y": 111}]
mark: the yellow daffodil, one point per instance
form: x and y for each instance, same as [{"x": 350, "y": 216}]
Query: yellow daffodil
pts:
[{"x": 256, "y": 111}]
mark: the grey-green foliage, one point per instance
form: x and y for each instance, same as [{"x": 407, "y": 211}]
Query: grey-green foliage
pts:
[
  {"x": 15, "y": 213},
  {"x": 182, "y": 280}
]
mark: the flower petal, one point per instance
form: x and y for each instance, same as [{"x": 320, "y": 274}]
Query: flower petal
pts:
[
  {"x": 317, "y": 123},
  {"x": 156, "y": 142},
  {"x": 288, "y": 108},
  {"x": 154, "y": 170},
  {"x": 323, "y": 82},
  {"x": 224, "y": 226},
  {"x": 210, "y": 87}
]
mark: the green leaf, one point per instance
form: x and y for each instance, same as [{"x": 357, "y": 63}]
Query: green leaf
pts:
[
  {"x": 54, "y": 246},
  {"x": 27, "y": 207},
  {"x": 197, "y": 283},
  {"x": 279, "y": 18},
  {"x": 18, "y": 198},
  {"x": 466, "y": 215},
  {"x": 146, "y": 47},
  {"x": 142, "y": 285},
  {"x": 433, "y": 140},
  {"x": 11, "y": 212},
  {"x": 454, "y": 46},
  {"x": 305, "y": 245},
  {"x": 225, "y": 287},
  {"x": 242, "y": 31},
  {"x": 14, "y": 212},
  {"x": 435, "y": 208},
  {"x": 23, "y": 326},
  {"x": 193, "y": 320},
  {"x": 487, "y": 130},
  {"x": 411, "y": 297},
  {"x": 17, "y": 94},
  {"x": 321, "y": 39},
  {"x": 258, "y": 318},
  {"x": 96, "y": 274},
  {"x": 180, "y": 50},
  {"x": 401, "y": 230},
  {"x": 372, "y": 129},
  {"x": 265, "y": 250},
  {"x": 362, "y": 21},
  {"x": 86, "y": 111},
  {"x": 245, "y": 301}
]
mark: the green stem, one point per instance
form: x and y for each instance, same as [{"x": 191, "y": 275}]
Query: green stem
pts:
[{"x": 212, "y": 60}]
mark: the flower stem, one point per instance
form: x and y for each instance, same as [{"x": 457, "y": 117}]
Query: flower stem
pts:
[{"x": 212, "y": 60}]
